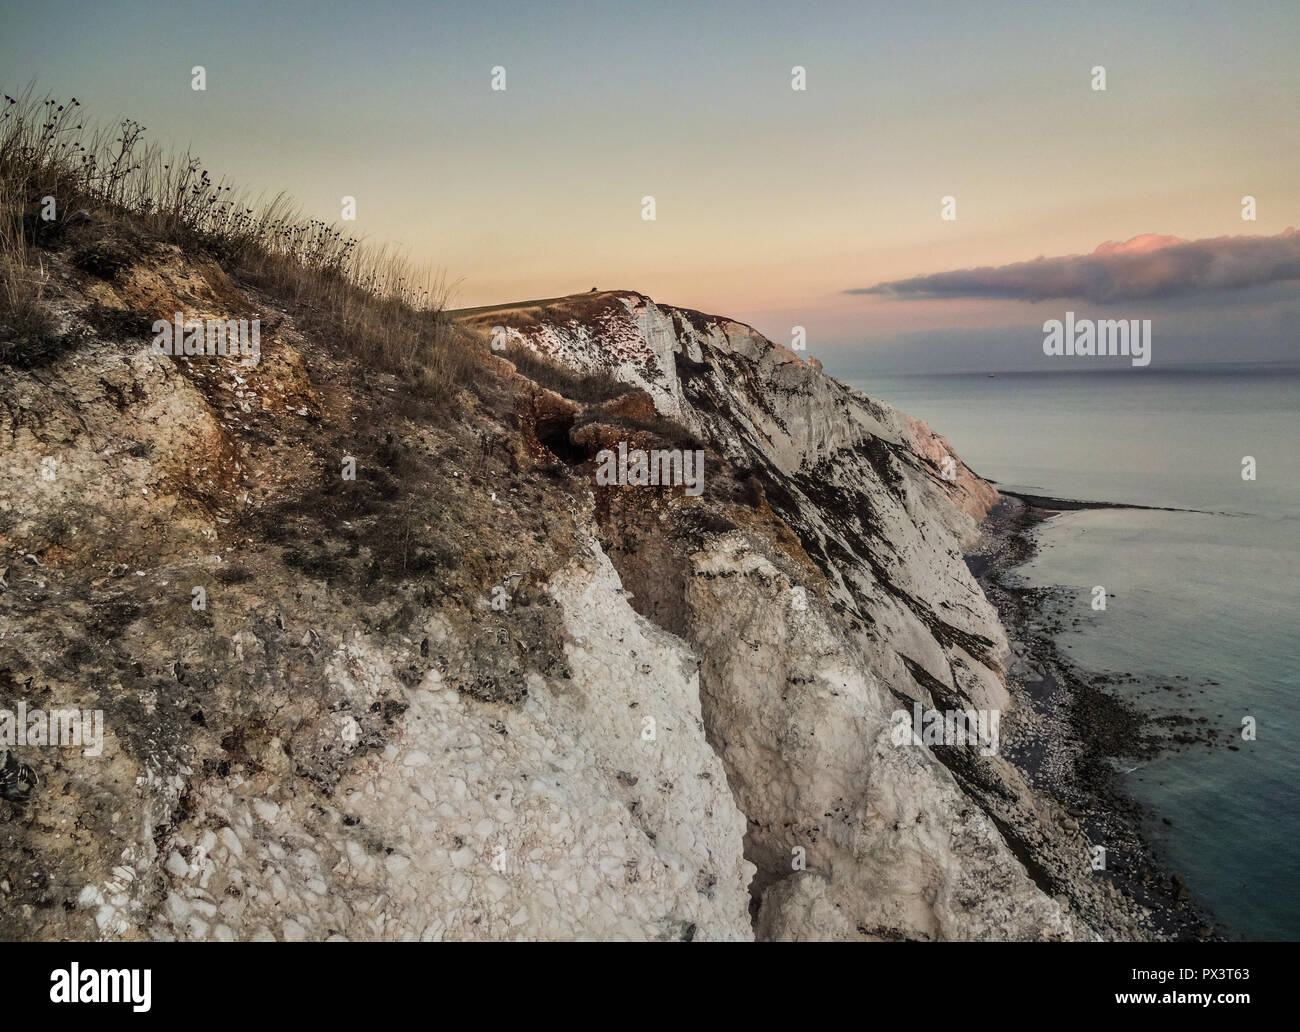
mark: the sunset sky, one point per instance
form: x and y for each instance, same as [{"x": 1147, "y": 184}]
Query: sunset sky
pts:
[{"x": 772, "y": 204}]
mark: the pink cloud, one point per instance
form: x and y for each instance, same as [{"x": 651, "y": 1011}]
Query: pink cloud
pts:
[{"x": 1147, "y": 266}]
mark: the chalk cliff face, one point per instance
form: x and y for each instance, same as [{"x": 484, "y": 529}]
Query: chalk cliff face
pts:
[
  {"x": 472, "y": 694},
  {"x": 809, "y": 642}
]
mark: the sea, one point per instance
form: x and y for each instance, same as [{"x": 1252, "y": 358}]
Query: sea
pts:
[{"x": 1204, "y": 599}]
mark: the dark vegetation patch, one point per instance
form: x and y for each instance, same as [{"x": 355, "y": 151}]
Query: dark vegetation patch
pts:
[
  {"x": 503, "y": 652},
  {"x": 28, "y": 339},
  {"x": 105, "y": 257},
  {"x": 109, "y": 618},
  {"x": 118, "y": 324},
  {"x": 233, "y": 573},
  {"x": 592, "y": 386},
  {"x": 318, "y": 563}
]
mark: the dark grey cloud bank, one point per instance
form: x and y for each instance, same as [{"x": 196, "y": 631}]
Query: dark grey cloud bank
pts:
[{"x": 1146, "y": 267}]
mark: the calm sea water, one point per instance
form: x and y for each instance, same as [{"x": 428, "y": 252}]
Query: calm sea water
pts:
[{"x": 1210, "y": 596}]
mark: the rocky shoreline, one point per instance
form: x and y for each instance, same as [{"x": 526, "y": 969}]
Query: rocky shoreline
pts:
[{"x": 1067, "y": 729}]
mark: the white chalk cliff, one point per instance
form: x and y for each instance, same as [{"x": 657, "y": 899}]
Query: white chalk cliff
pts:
[
  {"x": 797, "y": 695},
  {"x": 678, "y": 729}
]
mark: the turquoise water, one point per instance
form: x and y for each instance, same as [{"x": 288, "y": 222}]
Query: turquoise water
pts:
[{"x": 1209, "y": 597}]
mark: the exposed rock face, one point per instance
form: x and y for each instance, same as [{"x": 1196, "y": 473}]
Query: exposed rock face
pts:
[
  {"x": 354, "y": 739},
  {"x": 808, "y": 647},
  {"x": 587, "y": 829}
]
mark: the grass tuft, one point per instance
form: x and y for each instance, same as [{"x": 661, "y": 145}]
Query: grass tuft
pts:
[{"x": 370, "y": 301}]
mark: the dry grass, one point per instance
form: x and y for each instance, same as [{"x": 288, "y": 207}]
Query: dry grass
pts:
[
  {"x": 26, "y": 327},
  {"x": 371, "y": 300},
  {"x": 588, "y": 387}
]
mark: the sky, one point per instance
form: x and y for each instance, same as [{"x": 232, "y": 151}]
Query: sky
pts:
[{"x": 774, "y": 206}]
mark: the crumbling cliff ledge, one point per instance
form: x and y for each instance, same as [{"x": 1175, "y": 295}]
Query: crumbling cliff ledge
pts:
[{"x": 472, "y": 693}]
